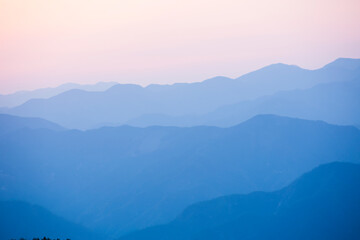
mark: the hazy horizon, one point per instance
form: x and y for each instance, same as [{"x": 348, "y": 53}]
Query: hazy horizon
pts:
[
  {"x": 49, "y": 43},
  {"x": 166, "y": 83}
]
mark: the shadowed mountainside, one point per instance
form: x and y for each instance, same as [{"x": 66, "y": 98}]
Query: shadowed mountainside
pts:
[
  {"x": 23, "y": 220},
  {"x": 322, "y": 204}
]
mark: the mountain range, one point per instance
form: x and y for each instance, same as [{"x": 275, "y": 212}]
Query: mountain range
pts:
[
  {"x": 336, "y": 103},
  {"x": 114, "y": 180},
  {"x": 18, "y": 98},
  {"x": 167, "y": 147},
  {"x": 321, "y": 204},
  {"x": 124, "y": 103}
]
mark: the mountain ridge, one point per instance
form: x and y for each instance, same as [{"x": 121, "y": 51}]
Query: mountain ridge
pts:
[
  {"x": 284, "y": 214},
  {"x": 121, "y": 103},
  {"x": 10, "y": 123},
  {"x": 138, "y": 177},
  {"x": 21, "y": 97},
  {"x": 19, "y": 219},
  {"x": 313, "y": 104}
]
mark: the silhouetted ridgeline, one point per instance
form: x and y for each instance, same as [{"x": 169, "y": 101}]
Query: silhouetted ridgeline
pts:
[
  {"x": 10, "y": 123},
  {"x": 336, "y": 103},
  {"x": 123, "y": 103},
  {"x": 322, "y": 204},
  {"x": 18, "y": 98}
]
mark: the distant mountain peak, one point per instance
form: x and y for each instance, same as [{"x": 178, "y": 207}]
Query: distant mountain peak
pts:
[
  {"x": 281, "y": 66},
  {"x": 217, "y": 78},
  {"x": 345, "y": 63}
]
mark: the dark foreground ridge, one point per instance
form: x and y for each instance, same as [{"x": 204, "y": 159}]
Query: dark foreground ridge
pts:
[
  {"x": 22, "y": 220},
  {"x": 322, "y": 204}
]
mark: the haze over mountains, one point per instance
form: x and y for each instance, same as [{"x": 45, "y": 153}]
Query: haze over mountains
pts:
[
  {"x": 123, "y": 103},
  {"x": 336, "y": 103},
  {"x": 187, "y": 144},
  {"x": 18, "y": 98},
  {"x": 114, "y": 180}
]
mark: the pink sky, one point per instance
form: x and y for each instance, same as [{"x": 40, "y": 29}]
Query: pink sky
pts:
[{"x": 46, "y": 43}]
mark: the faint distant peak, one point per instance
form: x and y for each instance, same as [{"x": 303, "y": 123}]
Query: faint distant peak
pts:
[
  {"x": 72, "y": 91},
  {"x": 345, "y": 63},
  {"x": 280, "y": 66},
  {"x": 126, "y": 87},
  {"x": 276, "y": 68},
  {"x": 217, "y": 79}
]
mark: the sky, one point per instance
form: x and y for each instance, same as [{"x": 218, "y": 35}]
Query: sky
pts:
[{"x": 45, "y": 43}]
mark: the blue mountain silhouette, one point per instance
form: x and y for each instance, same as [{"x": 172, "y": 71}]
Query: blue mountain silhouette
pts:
[
  {"x": 123, "y": 102},
  {"x": 10, "y": 123},
  {"x": 23, "y": 220},
  {"x": 18, "y": 98},
  {"x": 336, "y": 103},
  {"x": 115, "y": 180}
]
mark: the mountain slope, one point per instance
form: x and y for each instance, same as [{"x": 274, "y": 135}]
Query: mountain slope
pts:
[
  {"x": 322, "y": 204},
  {"x": 120, "y": 179},
  {"x": 123, "y": 102},
  {"x": 23, "y": 220},
  {"x": 10, "y": 123}
]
